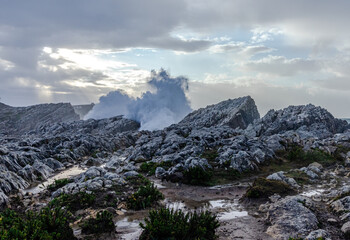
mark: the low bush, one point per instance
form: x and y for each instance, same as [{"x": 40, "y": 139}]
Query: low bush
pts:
[
  {"x": 101, "y": 224},
  {"x": 150, "y": 167},
  {"x": 170, "y": 224},
  {"x": 48, "y": 224},
  {"x": 198, "y": 176},
  {"x": 145, "y": 197},
  {"x": 74, "y": 202},
  {"x": 263, "y": 188},
  {"x": 296, "y": 153},
  {"x": 58, "y": 184}
]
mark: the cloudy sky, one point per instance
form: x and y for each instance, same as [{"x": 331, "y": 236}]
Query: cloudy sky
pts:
[{"x": 280, "y": 52}]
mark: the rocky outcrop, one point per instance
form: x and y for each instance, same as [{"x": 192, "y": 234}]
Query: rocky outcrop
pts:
[
  {"x": 20, "y": 120},
  {"x": 235, "y": 113},
  {"x": 307, "y": 120},
  {"x": 57, "y": 146},
  {"x": 290, "y": 217}
]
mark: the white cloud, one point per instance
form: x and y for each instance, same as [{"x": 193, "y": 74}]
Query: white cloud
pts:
[{"x": 282, "y": 66}]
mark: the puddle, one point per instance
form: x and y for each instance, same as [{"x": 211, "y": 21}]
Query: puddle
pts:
[
  {"x": 312, "y": 193},
  {"x": 128, "y": 228},
  {"x": 225, "y": 209},
  {"x": 67, "y": 173}
]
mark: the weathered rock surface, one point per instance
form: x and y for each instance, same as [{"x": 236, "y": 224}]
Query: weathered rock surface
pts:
[
  {"x": 54, "y": 147},
  {"x": 306, "y": 120},
  {"x": 318, "y": 234},
  {"x": 289, "y": 217},
  {"x": 19, "y": 120},
  {"x": 235, "y": 113}
]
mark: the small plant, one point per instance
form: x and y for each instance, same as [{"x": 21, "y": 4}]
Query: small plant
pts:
[
  {"x": 145, "y": 197},
  {"x": 49, "y": 223},
  {"x": 299, "y": 176},
  {"x": 74, "y": 202},
  {"x": 101, "y": 224},
  {"x": 263, "y": 188},
  {"x": 150, "y": 167},
  {"x": 137, "y": 181},
  {"x": 58, "y": 184},
  {"x": 210, "y": 154},
  {"x": 296, "y": 153},
  {"x": 167, "y": 223},
  {"x": 198, "y": 176}
]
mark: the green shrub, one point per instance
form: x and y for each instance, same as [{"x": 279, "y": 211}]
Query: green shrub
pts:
[
  {"x": 210, "y": 154},
  {"x": 48, "y": 224},
  {"x": 198, "y": 176},
  {"x": 74, "y": 202},
  {"x": 296, "y": 153},
  {"x": 150, "y": 167},
  {"x": 145, "y": 197},
  {"x": 137, "y": 181},
  {"x": 58, "y": 184},
  {"x": 170, "y": 224},
  {"x": 263, "y": 188},
  {"x": 101, "y": 224}
]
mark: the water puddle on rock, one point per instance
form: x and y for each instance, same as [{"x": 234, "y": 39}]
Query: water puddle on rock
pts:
[
  {"x": 313, "y": 193},
  {"x": 67, "y": 173},
  {"x": 128, "y": 227}
]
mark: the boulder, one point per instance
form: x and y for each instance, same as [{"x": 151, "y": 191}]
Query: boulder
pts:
[{"x": 235, "y": 113}]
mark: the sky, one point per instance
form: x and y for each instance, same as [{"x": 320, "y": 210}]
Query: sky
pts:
[{"x": 279, "y": 52}]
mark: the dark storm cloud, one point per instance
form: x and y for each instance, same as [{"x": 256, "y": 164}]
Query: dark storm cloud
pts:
[{"x": 93, "y": 24}]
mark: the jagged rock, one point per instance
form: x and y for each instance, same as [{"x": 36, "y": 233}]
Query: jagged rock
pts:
[
  {"x": 341, "y": 205},
  {"x": 346, "y": 228},
  {"x": 307, "y": 120},
  {"x": 318, "y": 234},
  {"x": 160, "y": 172},
  {"x": 236, "y": 113},
  {"x": 193, "y": 162},
  {"x": 131, "y": 174},
  {"x": 53, "y": 164},
  {"x": 290, "y": 218},
  {"x": 309, "y": 172},
  {"x": 42, "y": 169},
  {"x": 3, "y": 199}
]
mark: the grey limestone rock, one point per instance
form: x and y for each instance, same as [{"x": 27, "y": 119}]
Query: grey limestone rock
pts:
[
  {"x": 235, "y": 113},
  {"x": 318, "y": 234},
  {"x": 289, "y": 217}
]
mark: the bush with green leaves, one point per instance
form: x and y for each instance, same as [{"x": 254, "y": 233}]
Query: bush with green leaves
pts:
[
  {"x": 74, "y": 202},
  {"x": 101, "y": 224},
  {"x": 173, "y": 224},
  {"x": 150, "y": 167},
  {"x": 58, "y": 184},
  {"x": 198, "y": 176},
  {"x": 296, "y": 153},
  {"x": 48, "y": 224},
  {"x": 145, "y": 197}
]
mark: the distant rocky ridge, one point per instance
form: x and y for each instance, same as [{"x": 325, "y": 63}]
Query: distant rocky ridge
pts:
[{"x": 21, "y": 120}]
